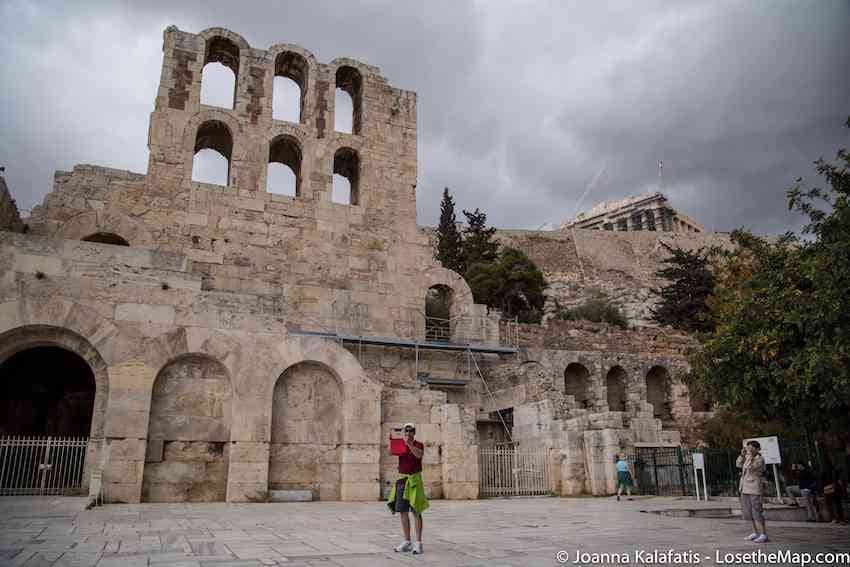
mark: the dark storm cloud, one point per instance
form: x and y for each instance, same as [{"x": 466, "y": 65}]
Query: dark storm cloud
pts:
[{"x": 523, "y": 107}]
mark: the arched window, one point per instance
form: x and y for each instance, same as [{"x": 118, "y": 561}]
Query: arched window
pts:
[
  {"x": 290, "y": 87},
  {"x": 657, "y": 386},
  {"x": 213, "y": 150},
  {"x": 106, "y": 238},
  {"x": 220, "y": 74},
  {"x": 346, "y": 178},
  {"x": 438, "y": 308},
  {"x": 615, "y": 384},
  {"x": 284, "y": 169},
  {"x": 576, "y": 378},
  {"x": 348, "y": 100}
]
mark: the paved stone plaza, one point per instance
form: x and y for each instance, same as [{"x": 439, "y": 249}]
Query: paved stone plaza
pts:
[{"x": 54, "y": 531}]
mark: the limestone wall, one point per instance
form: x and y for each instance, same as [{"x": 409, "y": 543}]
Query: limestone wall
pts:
[
  {"x": 362, "y": 268},
  {"x": 202, "y": 395},
  {"x": 10, "y": 218}
]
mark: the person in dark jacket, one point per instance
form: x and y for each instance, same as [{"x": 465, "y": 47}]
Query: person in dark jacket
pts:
[
  {"x": 833, "y": 490},
  {"x": 804, "y": 487}
]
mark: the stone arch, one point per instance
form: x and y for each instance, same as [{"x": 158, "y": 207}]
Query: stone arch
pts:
[
  {"x": 106, "y": 238},
  {"x": 347, "y": 164},
  {"x": 30, "y": 336},
  {"x": 89, "y": 223},
  {"x": 438, "y": 304},
  {"x": 360, "y": 410},
  {"x": 224, "y": 47},
  {"x": 294, "y": 65},
  {"x": 615, "y": 386},
  {"x": 350, "y": 80},
  {"x": 287, "y": 150},
  {"x": 306, "y": 431},
  {"x": 236, "y": 151},
  {"x": 188, "y": 441},
  {"x": 462, "y": 300},
  {"x": 658, "y": 392},
  {"x": 344, "y": 365},
  {"x": 225, "y": 33},
  {"x": 26, "y": 336},
  {"x": 577, "y": 384}
]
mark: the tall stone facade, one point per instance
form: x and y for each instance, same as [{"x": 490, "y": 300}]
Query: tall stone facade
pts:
[{"x": 242, "y": 342}]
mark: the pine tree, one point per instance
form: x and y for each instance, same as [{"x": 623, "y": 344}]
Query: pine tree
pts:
[
  {"x": 449, "y": 243},
  {"x": 511, "y": 283},
  {"x": 683, "y": 300},
  {"x": 479, "y": 246}
]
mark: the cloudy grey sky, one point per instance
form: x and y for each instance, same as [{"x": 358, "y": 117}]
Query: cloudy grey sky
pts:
[{"x": 522, "y": 105}]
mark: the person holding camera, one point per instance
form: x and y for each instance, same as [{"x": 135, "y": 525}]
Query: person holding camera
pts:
[
  {"x": 408, "y": 492},
  {"x": 751, "y": 464}
]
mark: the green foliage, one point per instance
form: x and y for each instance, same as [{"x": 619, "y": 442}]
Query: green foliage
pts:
[
  {"x": 449, "y": 242},
  {"x": 598, "y": 311},
  {"x": 683, "y": 300},
  {"x": 726, "y": 428},
  {"x": 479, "y": 246},
  {"x": 781, "y": 346},
  {"x": 506, "y": 280},
  {"x": 512, "y": 283}
]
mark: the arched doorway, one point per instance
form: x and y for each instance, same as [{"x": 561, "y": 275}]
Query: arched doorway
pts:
[
  {"x": 438, "y": 309},
  {"x": 306, "y": 431},
  {"x": 47, "y": 401},
  {"x": 576, "y": 378},
  {"x": 187, "y": 455},
  {"x": 615, "y": 383},
  {"x": 657, "y": 387}
]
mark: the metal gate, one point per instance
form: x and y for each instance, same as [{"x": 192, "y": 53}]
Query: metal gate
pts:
[
  {"x": 41, "y": 465},
  {"x": 663, "y": 471},
  {"x": 513, "y": 471}
]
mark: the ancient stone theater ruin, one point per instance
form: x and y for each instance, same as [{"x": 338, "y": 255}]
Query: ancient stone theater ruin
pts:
[{"x": 223, "y": 343}]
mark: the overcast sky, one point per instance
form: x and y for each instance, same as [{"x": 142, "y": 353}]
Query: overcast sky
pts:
[{"x": 529, "y": 110}]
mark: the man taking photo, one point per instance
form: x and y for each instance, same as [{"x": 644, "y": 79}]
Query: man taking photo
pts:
[{"x": 408, "y": 492}]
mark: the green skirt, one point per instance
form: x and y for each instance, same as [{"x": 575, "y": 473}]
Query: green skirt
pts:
[{"x": 624, "y": 479}]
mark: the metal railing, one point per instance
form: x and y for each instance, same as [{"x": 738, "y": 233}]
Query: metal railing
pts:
[
  {"x": 663, "y": 471},
  {"x": 41, "y": 465},
  {"x": 513, "y": 471}
]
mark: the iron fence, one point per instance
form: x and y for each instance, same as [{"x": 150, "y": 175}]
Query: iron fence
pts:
[
  {"x": 509, "y": 470},
  {"x": 663, "y": 471},
  {"x": 41, "y": 465}
]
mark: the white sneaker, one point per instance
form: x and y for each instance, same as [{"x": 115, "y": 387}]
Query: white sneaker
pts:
[
  {"x": 761, "y": 539},
  {"x": 404, "y": 546},
  {"x": 752, "y": 536},
  {"x": 417, "y": 548}
]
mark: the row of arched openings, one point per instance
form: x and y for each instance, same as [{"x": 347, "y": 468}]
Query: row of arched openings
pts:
[
  {"x": 213, "y": 154},
  {"x": 220, "y": 76},
  {"x": 50, "y": 391},
  {"x": 577, "y": 384}
]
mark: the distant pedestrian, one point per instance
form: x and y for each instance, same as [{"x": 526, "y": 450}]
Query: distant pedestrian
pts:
[
  {"x": 833, "y": 490},
  {"x": 408, "y": 492},
  {"x": 751, "y": 464},
  {"x": 624, "y": 476},
  {"x": 804, "y": 487}
]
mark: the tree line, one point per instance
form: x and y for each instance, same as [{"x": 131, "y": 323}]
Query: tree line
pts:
[
  {"x": 772, "y": 316},
  {"x": 499, "y": 276}
]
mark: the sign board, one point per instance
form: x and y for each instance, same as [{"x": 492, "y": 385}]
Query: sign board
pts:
[
  {"x": 699, "y": 460},
  {"x": 769, "y": 449}
]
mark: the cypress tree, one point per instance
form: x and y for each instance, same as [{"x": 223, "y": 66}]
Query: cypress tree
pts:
[{"x": 449, "y": 244}]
